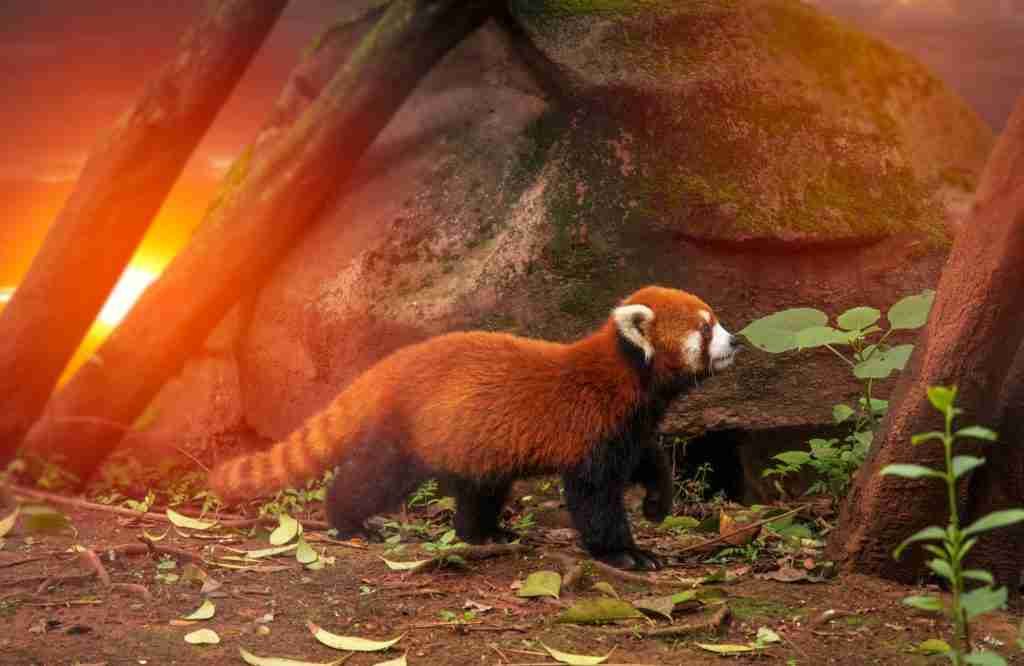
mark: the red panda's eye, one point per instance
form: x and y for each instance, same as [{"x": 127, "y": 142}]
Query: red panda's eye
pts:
[{"x": 705, "y": 329}]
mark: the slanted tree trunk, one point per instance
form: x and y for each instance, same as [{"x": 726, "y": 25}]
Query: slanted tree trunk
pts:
[
  {"x": 973, "y": 340},
  {"x": 122, "y": 187},
  {"x": 280, "y": 191}
]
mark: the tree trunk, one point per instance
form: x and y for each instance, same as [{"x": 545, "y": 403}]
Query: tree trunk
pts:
[
  {"x": 122, "y": 187},
  {"x": 280, "y": 191},
  {"x": 973, "y": 340}
]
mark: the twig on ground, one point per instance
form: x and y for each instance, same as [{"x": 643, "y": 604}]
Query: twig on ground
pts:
[
  {"x": 501, "y": 654},
  {"x": 472, "y": 553},
  {"x": 147, "y": 546},
  {"x": 713, "y": 623},
  {"x": 76, "y": 503},
  {"x": 50, "y": 581},
  {"x": 575, "y": 568},
  {"x": 141, "y": 590},
  {"x": 745, "y": 528},
  {"x": 88, "y": 556},
  {"x": 25, "y": 560}
]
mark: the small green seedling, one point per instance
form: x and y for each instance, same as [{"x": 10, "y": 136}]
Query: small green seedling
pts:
[{"x": 955, "y": 542}]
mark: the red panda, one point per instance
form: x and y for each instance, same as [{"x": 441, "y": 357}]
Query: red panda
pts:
[{"x": 484, "y": 409}]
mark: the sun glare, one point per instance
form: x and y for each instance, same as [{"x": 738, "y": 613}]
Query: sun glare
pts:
[
  {"x": 5, "y": 294},
  {"x": 133, "y": 282}
]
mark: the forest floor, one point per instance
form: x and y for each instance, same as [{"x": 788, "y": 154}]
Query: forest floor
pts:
[{"x": 84, "y": 586}]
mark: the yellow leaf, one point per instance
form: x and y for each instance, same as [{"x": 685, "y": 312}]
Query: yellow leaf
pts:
[
  {"x": 350, "y": 643},
  {"x": 189, "y": 523},
  {"x": 204, "y": 612}
]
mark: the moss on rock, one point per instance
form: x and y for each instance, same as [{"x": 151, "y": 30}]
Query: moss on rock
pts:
[{"x": 765, "y": 119}]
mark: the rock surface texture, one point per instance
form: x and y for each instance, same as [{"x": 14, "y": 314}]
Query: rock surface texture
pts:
[{"x": 756, "y": 153}]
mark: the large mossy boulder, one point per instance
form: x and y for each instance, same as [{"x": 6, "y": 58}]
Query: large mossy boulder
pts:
[{"x": 757, "y": 153}]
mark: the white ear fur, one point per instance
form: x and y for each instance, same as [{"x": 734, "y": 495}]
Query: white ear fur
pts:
[{"x": 628, "y": 320}]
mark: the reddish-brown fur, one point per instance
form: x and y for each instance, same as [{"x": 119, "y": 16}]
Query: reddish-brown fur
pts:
[{"x": 479, "y": 404}]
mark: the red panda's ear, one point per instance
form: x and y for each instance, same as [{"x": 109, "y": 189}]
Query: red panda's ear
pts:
[{"x": 632, "y": 322}]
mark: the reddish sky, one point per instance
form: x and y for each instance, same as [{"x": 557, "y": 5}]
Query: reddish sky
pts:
[{"x": 68, "y": 68}]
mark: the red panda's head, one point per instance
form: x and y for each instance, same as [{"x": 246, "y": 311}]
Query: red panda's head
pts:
[{"x": 675, "y": 332}]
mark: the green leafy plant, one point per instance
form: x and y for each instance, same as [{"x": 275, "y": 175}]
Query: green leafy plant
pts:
[
  {"x": 297, "y": 501},
  {"x": 441, "y": 547},
  {"x": 457, "y": 618},
  {"x": 524, "y": 522},
  {"x": 424, "y": 495},
  {"x": 860, "y": 341},
  {"x": 954, "y": 542}
]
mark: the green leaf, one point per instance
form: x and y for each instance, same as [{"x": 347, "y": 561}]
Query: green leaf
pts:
[
  {"x": 795, "y": 458},
  {"x": 7, "y": 524},
  {"x": 687, "y": 595},
  {"x": 286, "y": 530},
  {"x": 878, "y": 406},
  {"x": 606, "y": 588},
  {"x": 979, "y": 575},
  {"x": 994, "y": 521},
  {"x": 977, "y": 432},
  {"x": 598, "y": 611},
  {"x": 202, "y": 637},
  {"x": 575, "y": 659},
  {"x": 911, "y": 471},
  {"x": 204, "y": 612},
  {"x": 253, "y": 660},
  {"x": 941, "y": 397},
  {"x": 932, "y": 646},
  {"x": 819, "y": 336},
  {"x": 766, "y": 636},
  {"x": 679, "y": 522},
  {"x": 776, "y": 333},
  {"x": 933, "y": 604},
  {"x": 912, "y": 311},
  {"x": 41, "y": 518},
  {"x": 884, "y": 362},
  {"x": 982, "y": 600},
  {"x": 984, "y": 659},
  {"x": 350, "y": 643},
  {"x": 841, "y": 412},
  {"x": 541, "y": 584},
  {"x": 932, "y": 533},
  {"x": 188, "y": 523},
  {"x": 942, "y": 568},
  {"x": 304, "y": 553},
  {"x": 925, "y": 436},
  {"x": 964, "y": 464},
  {"x": 856, "y": 319}
]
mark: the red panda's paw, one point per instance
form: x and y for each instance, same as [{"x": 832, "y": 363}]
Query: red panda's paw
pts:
[{"x": 633, "y": 559}]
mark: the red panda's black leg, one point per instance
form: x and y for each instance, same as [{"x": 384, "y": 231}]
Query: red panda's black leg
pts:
[
  {"x": 372, "y": 479},
  {"x": 478, "y": 511},
  {"x": 654, "y": 472},
  {"x": 593, "y": 492}
]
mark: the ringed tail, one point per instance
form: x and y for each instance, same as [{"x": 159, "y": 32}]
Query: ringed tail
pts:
[{"x": 305, "y": 454}]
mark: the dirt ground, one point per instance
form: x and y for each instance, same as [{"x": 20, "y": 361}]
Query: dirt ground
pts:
[{"x": 55, "y": 609}]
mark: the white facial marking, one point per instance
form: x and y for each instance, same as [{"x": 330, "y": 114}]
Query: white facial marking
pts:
[
  {"x": 706, "y": 316},
  {"x": 693, "y": 347},
  {"x": 629, "y": 319},
  {"x": 721, "y": 350}
]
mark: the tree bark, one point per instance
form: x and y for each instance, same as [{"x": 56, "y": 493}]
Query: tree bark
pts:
[
  {"x": 279, "y": 192},
  {"x": 972, "y": 340},
  {"x": 122, "y": 186}
]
